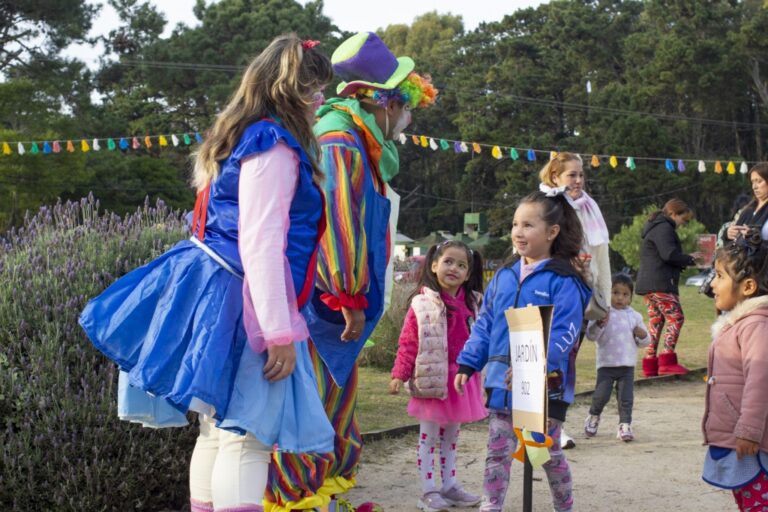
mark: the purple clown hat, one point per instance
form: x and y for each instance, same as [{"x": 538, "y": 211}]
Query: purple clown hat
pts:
[{"x": 364, "y": 61}]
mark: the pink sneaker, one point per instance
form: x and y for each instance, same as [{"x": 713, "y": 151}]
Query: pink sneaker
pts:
[
  {"x": 625, "y": 432},
  {"x": 433, "y": 502},
  {"x": 458, "y": 497},
  {"x": 591, "y": 424}
]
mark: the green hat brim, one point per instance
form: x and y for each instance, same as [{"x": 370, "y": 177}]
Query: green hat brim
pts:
[{"x": 404, "y": 68}]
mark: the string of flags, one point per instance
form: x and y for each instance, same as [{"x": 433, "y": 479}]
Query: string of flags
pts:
[
  {"x": 85, "y": 145},
  {"x": 125, "y": 143},
  {"x": 499, "y": 152}
]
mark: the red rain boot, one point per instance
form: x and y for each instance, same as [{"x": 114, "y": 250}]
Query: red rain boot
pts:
[
  {"x": 668, "y": 364},
  {"x": 651, "y": 366}
]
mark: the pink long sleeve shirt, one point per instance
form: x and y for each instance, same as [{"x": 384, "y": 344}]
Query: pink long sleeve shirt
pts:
[{"x": 266, "y": 189}]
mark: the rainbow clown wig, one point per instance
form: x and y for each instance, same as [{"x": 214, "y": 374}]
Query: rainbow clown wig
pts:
[{"x": 416, "y": 91}]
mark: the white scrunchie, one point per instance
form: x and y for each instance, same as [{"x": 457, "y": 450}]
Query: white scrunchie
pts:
[{"x": 552, "y": 191}]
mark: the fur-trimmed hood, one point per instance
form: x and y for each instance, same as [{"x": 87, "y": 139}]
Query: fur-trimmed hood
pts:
[{"x": 741, "y": 310}]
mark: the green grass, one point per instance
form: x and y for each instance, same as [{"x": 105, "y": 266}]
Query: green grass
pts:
[{"x": 377, "y": 409}]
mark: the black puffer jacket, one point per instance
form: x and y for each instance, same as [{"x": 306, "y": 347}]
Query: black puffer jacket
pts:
[{"x": 661, "y": 258}]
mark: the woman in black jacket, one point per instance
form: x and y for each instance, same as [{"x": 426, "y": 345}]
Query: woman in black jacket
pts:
[{"x": 661, "y": 261}]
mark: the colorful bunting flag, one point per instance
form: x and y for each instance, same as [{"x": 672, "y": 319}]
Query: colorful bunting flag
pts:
[
  {"x": 718, "y": 167},
  {"x": 630, "y": 163},
  {"x": 668, "y": 165},
  {"x": 457, "y": 147},
  {"x": 46, "y": 148},
  {"x": 531, "y": 155},
  {"x": 96, "y": 145},
  {"x": 148, "y": 141},
  {"x": 595, "y": 161},
  {"x": 464, "y": 147},
  {"x": 496, "y": 153},
  {"x": 414, "y": 138},
  {"x": 6, "y": 148},
  {"x": 175, "y": 139},
  {"x": 84, "y": 147},
  {"x": 731, "y": 168},
  {"x": 70, "y": 147},
  {"x": 433, "y": 144},
  {"x": 476, "y": 147},
  {"x": 513, "y": 154},
  {"x": 552, "y": 155},
  {"x": 198, "y": 138},
  {"x": 111, "y": 145},
  {"x": 21, "y": 149},
  {"x": 123, "y": 143},
  {"x": 56, "y": 147},
  {"x": 34, "y": 150},
  {"x": 424, "y": 142},
  {"x": 444, "y": 144},
  {"x": 614, "y": 161},
  {"x": 402, "y": 139},
  {"x": 702, "y": 166},
  {"x": 680, "y": 166},
  {"x": 743, "y": 168}
]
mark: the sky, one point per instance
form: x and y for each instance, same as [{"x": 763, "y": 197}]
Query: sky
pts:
[{"x": 368, "y": 16}]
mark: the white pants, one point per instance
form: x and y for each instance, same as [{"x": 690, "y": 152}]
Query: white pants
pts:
[{"x": 227, "y": 470}]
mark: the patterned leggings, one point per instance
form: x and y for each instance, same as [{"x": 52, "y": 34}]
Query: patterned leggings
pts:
[
  {"x": 502, "y": 443},
  {"x": 663, "y": 307},
  {"x": 753, "y": 497}
]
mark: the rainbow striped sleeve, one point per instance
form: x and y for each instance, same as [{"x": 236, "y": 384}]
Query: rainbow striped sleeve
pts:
[{"x": 343, "y": 257}]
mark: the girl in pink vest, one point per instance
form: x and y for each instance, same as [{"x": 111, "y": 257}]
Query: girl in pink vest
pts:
[
  {"x": 437, "y": 325},
  {"x": 735, "y": 422}
]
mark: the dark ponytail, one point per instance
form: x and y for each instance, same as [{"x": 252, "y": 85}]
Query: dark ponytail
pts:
[{"x": 428, "y": 279}]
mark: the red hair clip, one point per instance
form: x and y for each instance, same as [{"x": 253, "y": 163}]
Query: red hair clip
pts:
[{"x": 309, "y": 44}]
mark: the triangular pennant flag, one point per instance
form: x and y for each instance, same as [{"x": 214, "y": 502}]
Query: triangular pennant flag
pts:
[
  {"x": 198, "y": 138},
  {"x": 187, "y": 140},
  {"x": 595, "y": 161},
  {"x": 415, "y": 139},
  {"x": 476, "y": 147},
  {"x": 123, "y": 143},
  {"x": 613, "y": 161},
  {"x": 70, "y": 147},
  {"x": 457, "y": 147},
  {"x": 496, "y": 152},
  {"x": 513, "y": 154},
  {"x": 423, "y": 142},
  {"x": 680, "y": 166},
  {"x": 402, "y": 138},
  {"x": 444, "y": 144},
  {"x": 84, "y": 147},
  {"x": 20, "y": 148},
  {"x": 743, "y": 168},
  {"x": 135, "y": 144},
  {"x": 731, "y": 168},
  {"x": 718, "y": 167},
  {"x": 552, "y": 155},
  {"x": 531, "y": 155},
  {"x": 464, "y": 148},
  {"x": 175, "y": 139},
  {"x": 46, "y": 148},
  {"x": 111, "y": 144},
  {"x": 96, "y": 145},
  {"x": 148, "y": 141},
  {"x": 630, "y": 163},
  {"x": 432, "y": 144},
  {"x": 702, "y": 166},
  {"x": 34, "y": 149},
  {"x": 162, "y": 141},
  {"x": 56, "y": 146},
  {"x": 668, "y": 165},
  {"x": 6, "y": 148}
]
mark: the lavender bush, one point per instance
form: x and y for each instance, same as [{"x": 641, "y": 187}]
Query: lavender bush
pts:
[{"x": 61, "y": 444}]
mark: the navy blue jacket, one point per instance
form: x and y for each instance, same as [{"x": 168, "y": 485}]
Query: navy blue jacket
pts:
[{"x": 554, "y": 283}]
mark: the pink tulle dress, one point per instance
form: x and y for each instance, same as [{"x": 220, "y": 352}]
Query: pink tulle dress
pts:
[{"x": 454, "y": 408}]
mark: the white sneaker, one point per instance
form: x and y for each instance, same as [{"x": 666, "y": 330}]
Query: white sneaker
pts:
[
  {"x": 625, "y": 432},
  {"x": 433, "y": 502},
  {"x": 566, "y": 441},
  {"x": 591, "y": 424}
]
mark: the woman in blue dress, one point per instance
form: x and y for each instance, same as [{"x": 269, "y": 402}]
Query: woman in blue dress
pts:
[{"x": 214, "y": 325}]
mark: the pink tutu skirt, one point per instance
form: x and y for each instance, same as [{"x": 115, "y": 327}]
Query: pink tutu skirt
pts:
[{"x": 454, "y": 408}]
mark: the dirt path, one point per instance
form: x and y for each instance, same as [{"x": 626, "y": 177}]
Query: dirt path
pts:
[{"x": 659, "y": 471}]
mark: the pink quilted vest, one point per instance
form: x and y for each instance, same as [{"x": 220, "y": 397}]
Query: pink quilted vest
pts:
[{"x": 430, "y": 374}]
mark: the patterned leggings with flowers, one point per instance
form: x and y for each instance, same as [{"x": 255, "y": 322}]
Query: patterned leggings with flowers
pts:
[
  {"x": 502, "y": 443},
  {"x": 663, "y": 307}
]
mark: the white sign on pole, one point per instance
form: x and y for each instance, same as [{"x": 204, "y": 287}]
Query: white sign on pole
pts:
[{"x": 528, "y": 337}]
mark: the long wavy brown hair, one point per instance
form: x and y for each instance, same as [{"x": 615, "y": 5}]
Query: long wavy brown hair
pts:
[{"x": 279, "y": 82}]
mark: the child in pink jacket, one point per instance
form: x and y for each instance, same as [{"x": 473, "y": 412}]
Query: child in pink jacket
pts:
[
  {"x": 437, "y": 325},
  {"x": 735, "y": 419}
]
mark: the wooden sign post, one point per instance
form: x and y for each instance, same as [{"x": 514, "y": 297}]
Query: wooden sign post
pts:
[{"x": 528, "y": 338}]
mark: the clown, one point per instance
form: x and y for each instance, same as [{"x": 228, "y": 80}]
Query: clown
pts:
[{"x": 356, "y": 133}]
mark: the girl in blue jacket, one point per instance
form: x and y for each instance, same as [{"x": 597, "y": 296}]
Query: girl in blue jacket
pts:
[{"x": 545, "y": 270}]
